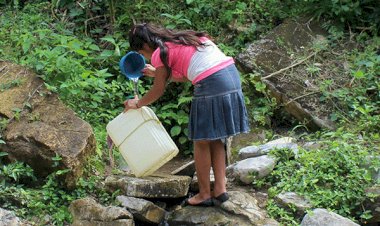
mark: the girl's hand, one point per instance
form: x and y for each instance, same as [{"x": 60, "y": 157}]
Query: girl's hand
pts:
[
  {"x": 131, "y": 104},
  {"x": 149, "y": 70}
]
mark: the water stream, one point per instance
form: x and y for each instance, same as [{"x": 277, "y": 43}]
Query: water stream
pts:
[{"x": 135, "y": 86}]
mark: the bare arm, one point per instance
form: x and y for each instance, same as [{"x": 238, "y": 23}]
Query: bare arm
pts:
[
  {"x": 157, "y": 89},
  {"x": 155, "y": 92}
]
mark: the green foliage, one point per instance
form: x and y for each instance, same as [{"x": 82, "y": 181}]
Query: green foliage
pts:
[
  {"x": 11, "y": 3},
  {"x": 359, "y": 100},
  {"x": 35, "y": 202},
  {"x": 332, "y": 177},
  {"x": 235, "y": 23},
  {"x": 3, "y": 124},
  {"x": 218, "y": 17},
  {"x": 176, "y": 20},
  {"x": 286, "y": 216},
  {"x": 69, "y": 66},
  {"x": 15, "y": 172},
  {"x": 259, "y": 103},
  {"x": 358, "y": 14},
  {"x": 9, "y": 85}
]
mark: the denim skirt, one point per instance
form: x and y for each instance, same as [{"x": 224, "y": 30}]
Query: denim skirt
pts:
[{"x": 218, "y": 110}]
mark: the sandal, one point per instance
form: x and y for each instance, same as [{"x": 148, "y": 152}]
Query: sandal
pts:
[
  {"x": 206, "y": 203},
  {"x": 222, "y": 197}
]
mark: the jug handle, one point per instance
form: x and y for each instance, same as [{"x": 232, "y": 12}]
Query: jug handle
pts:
[
  {"x": 146, "y": 115},
  {"x": 137, "y": 127}
]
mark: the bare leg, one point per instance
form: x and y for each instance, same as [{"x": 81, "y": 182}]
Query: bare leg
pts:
[
  {"x": 218, "y": 158},
  {"x": 202, "y": 158}
]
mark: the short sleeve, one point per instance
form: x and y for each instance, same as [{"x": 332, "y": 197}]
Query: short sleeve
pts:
[{"x": 156, "y": 60}]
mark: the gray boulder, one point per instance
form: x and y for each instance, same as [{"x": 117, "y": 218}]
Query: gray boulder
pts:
[
  {"x": 240, "y": 209},
  {"x": 142, "y": 209},
  {"x": 254, "y": 151},
  {"x": 272, "y": 56},
  {"x": 290, "y": 200},
  {"x": 248, "y": 169},
  {"x": 42, "y": 127},
  {"x": 87, "y": 212},
  {"x": 8, "y": 218},
  {"x": 322, "y": 217}
]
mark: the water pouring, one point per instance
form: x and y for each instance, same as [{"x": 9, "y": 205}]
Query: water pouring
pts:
[{"x": 131, "y": 65}]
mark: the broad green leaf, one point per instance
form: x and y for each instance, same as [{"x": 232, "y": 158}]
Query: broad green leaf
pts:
[
  {"x": 107, "y": 53},
  {"x": 359, "y": 74},
  {"x": 109, "y": 39},
  {"x": 94, "y": 47},
  {"x": 26, "y": 45},
  {"x": 175, "y": 131},
  {"x": 186, "y": 21},
  {"x": 182, "y": 140},
  {"x": 117, "y": 51},
  {"x": 81, "y": 52}
]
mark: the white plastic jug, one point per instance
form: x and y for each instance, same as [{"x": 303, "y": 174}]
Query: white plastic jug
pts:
[{"x": 142, "y": 140}]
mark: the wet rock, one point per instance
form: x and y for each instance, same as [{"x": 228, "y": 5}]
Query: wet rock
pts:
[
  {"x": 142, "y": 209},
  {"x": 290, "y": 200},
  {"x": 248, "y": 169},
  {"x": 154, "y": 186},
  {"x": 42, "y": 127},
  {"x": 87, "y": 212},
  {"x": 254, "y": 151},
  {"x": 322, "y": 217}
]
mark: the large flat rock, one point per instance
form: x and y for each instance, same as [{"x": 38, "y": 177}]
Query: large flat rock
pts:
[{"x": 154, "y": 186}]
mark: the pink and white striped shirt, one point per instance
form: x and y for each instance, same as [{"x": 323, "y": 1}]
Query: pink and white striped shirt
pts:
[{"x": 193, "y": 63}]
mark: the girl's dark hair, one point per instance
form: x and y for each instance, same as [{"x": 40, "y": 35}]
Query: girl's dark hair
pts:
[{"x": 155, "y": 37}]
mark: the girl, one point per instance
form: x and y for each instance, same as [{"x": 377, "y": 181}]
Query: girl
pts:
[{"x": 217, "y": 109}]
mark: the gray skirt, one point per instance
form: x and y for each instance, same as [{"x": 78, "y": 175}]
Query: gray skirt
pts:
[{"x": 218, "y": 110}]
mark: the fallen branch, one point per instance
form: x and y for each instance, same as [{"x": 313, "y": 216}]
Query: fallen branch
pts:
[
  {"x": 1, "y": 69},
  {"x": 299, "y": 97},
  {"x": 286, "y": 68},
  {"x": 4, "y": 73}
]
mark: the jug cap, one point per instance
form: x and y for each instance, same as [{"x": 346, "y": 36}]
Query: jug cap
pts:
[{"x": 131, "y": 65}]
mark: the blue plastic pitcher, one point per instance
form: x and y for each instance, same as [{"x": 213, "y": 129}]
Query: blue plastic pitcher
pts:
[{"x": 131, "y": 65}]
